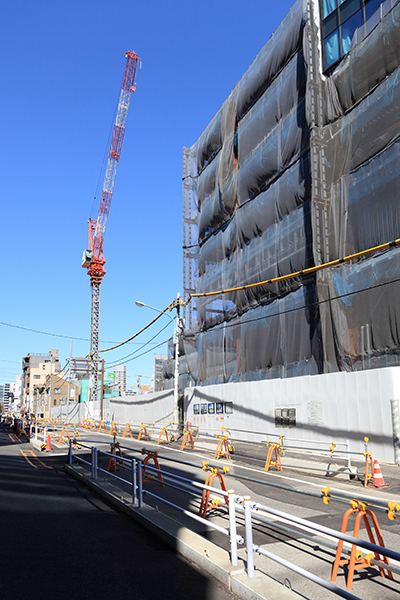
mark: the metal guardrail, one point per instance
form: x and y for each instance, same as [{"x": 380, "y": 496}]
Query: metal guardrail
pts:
[
  {"x": 251, "y": 511},
  {"x": 138, "y": 492},
  {"x": 328, "y": 450},
  {"x": 251, "y": 548}
]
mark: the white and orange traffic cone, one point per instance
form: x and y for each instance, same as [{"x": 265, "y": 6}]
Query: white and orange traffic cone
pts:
[
  {"x": 377, "y": 481},
  {"x": 48, "y": 445}
]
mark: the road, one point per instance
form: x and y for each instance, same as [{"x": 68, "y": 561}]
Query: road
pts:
[{"x": 61, "y": 541}]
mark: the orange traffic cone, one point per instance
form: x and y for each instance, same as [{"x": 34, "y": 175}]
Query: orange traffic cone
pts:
[
  {"x": 48, "y": 445},
  {"x": 377, "y": 481}
]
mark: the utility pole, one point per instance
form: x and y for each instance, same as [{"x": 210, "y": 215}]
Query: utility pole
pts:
[
  {"x": 51, "y": 371},
  {"x": 69, "y": 379},
  {"x": 177, "y": 304}
]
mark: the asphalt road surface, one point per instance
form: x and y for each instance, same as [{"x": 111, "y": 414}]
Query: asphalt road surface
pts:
[{"x": 59, "y": 540}]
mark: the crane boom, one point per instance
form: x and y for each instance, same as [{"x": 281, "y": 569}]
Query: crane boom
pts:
[{"x": 93, "y": 259}]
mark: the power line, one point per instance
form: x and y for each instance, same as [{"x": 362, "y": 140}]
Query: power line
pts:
[
  {"x": 58, "y": 335},
  {"x": 142, "y": 354},
  {"x": 307, "y": 271},
  {"x": 115, "y": 363},
  {"x": 289, "y": 310}
]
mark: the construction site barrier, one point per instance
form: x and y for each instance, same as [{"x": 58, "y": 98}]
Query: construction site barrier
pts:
[
  {"x": 102, "y": 427},
  {"x": 154, "y": 457},
  {"x": 273, "y": 449},
  {"x": 127, "y": 431},
  {"x": 112, "y": 463},
  {"x": 222, "y": 448},
  {"x": 163, "y": 434},
  {"x": 213, "y": 472},
  {"x": 143, "y": 431},
  {"x": 113, "y": 429},
  {"x": 64, "y": 433},
  {"x": 187, "y": 441},
  {"x": 357, "y": 560}
]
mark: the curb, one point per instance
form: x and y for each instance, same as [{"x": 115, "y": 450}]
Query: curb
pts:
[{"x": 204, "y": 553}]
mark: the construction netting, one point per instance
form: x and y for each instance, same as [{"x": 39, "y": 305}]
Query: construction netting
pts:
[{"x": 285, "y": 133}]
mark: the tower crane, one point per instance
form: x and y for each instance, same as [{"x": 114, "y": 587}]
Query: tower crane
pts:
[{"x": 93, "y": 258}]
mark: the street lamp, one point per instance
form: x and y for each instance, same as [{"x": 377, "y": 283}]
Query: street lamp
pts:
[{"x": 176, "y": 304}]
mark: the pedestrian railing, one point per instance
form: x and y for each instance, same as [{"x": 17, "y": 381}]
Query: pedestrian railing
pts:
[{"x": 254, "y": 512}]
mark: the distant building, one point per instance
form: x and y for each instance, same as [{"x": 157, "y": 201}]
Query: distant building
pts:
[
  {"x": 54, "y": 393},
  {"x": 120, "y": 379},
  {"x": 35, "y": 369},
  {"x": 159, "y": 360},
  {"x": 5, "y": 399}
]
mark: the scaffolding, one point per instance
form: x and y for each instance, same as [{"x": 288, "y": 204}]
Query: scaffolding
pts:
[{"x": 297, "y": 168}]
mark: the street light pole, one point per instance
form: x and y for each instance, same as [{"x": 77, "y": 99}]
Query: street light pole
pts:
[
  {"x": 175, "y": 304},
  {"x": 176, "y": 376}
]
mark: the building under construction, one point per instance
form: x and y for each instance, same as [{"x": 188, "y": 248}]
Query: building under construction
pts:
[{"x": 300, "y": 168}]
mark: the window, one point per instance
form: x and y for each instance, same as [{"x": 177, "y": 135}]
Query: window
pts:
[
  {"x": 55, "y": 402},
  {"x": 342, "y": 20},
  {"x": 57, "y": 390},
  {"x": 36, "y": 377},
  {"x": 348, "y": 29}
]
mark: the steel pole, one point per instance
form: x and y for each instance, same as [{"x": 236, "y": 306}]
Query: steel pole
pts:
[{"x": 176, "y": 374}]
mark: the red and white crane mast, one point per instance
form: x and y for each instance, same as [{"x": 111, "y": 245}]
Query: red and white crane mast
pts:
[{"x": 93, "y": 259}]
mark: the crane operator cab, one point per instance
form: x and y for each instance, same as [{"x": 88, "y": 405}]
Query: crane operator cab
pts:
[{"x": 87, "y": 258}]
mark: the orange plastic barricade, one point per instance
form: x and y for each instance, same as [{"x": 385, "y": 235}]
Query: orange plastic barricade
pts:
[
  {"x": 102, "y": 427},
  {"x": 205, "y": 500},
  {"x": 188, "y": 437},
  {"x": 63, "y": 433},
  {"x": 163, "y": 432},
  {"x": 113, "y": 429},
  {"x": 112, "y": 463},
  {"x": 154, "y": 457},
  {"x": 222, "y": 447},
  {"x": 128, "y": 431},
  {"x": 273, "y": 449},
  {"x": 93, "y": 426},
  {"x": 357, "y": 560},
  {"x": 143, "y": 431}
]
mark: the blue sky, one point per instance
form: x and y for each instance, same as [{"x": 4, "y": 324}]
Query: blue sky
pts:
[{"x": 61, "y": 71}]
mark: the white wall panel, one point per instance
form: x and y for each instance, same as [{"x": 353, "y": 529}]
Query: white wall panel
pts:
[{"x": 337, "y": 406}]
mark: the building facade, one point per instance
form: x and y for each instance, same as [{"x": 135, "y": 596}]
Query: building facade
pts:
[
  {"x": 35, "y": 370},
  {"x": 56, "y": 391},
  {"x": 120, "y": 379},
  {"x": 297, "y": 172},
  {"x": 6, "y": 397}
]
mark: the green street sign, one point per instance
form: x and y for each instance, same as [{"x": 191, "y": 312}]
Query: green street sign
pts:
[{"x": 110, "y": 376}]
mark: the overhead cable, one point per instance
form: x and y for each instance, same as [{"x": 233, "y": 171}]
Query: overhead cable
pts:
[{"x": 307, "y": 271}]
